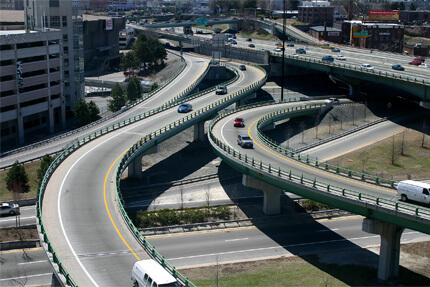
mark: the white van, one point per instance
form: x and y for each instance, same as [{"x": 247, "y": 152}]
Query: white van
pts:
[
  {"x": 414, "y": 190},
  {"x": 148, "y": 273}
]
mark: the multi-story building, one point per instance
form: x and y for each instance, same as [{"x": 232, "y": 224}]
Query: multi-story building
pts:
[
  {"x": 382, "y": 36},
  {"x": 408, "y": 16},
  {"x": 67, "y": 17},
  {"x": 31, "y": 102},
  {"x": 11, "y": 4},
  {"x": 316, "y": 13}
]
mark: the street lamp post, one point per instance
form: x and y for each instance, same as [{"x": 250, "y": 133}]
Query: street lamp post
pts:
[{"x": 283, "y": 48}]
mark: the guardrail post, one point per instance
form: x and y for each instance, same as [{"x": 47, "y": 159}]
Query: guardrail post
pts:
[
  {"x": 377, "y": 180},
  {"x": 279, "y": 171},
  {"x": 307, "y": 158},
  {"x": 328, "y": 187},
  {"x": 270, "y": 168},
  {"x": 289, "y": 176},
  {"x": 314, "y": 183},
  {"x": 317, "y": 163},
  {"x": 349, "y": 173},
  {"x": 363, "y": 176},
  {"x": 301, "y": 178},
  {"x": 261, "y": 164},
  {"x": 337, "y": 168}
]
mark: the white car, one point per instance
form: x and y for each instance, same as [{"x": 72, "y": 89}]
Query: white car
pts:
[
  {"x": 367, "y": 66},
  {"x": 277, "y": 50},
  {"x": 423, "y": 65},
  {"x": 340, "y": 57},
  {"x": 9, "y": 209}
]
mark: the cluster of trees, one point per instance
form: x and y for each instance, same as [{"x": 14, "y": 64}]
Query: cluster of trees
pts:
[
  {"x": 86, "y": 112},
  {"x": 145, "y": 50},
  {"x": 167, "y": 217},
  {"x": 17, "y": 178},
  {"x": 121, "y": 96}
]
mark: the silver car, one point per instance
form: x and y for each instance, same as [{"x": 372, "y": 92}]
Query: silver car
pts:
[{"x": 9, "y": 209}]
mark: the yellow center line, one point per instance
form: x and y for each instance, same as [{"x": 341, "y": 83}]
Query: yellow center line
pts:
[
  {"x": 21, "y": 250},
  {"x": 312, "y": 169},
  {"x": 107, "y": 207}
]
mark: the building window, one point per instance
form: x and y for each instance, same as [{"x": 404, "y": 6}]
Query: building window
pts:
[
  {"x": 55, "y": 21},
  {"x": 45, "y": 21},
  {"x": 54, "y": 3},
  {"x": 64, "y": 21},
  {"x": 65, "y": 38},
  {"x": 65, "y": 50}
]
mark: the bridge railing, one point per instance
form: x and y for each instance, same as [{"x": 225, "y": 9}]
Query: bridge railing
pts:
[
  {"x": 151, "y": 140},
  {"x": 290, "y": 112},
  {"x": 55, "y": 261},
  {"x": 246, "y": 162},
  {"x": 138, "y": 101},
  {"x": 355, "y": 68}
]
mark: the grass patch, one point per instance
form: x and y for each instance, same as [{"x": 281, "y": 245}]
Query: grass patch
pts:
[
  {"x": 258, "y": 34},
  {"x": 379, "y": 159},
  {"x": 31, "y": 169},
  {"x": 291, "y": 22}
]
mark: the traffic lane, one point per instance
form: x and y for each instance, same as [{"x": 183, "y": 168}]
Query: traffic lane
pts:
[
  {"x": 194, "y": 69},
  {"x": 260, "y": 152},
  {"x": 26, "y": 217},
  {"x": 90, "y": 248},
  {"x": 354, "y": 141},
  {"x": 326, "y": 236},
  {"x": 25, "y": 267},
  {"x": 252, "y": 243}
]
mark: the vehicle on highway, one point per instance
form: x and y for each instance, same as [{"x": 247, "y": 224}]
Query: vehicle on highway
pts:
[
  {"x": 249, "y": 40},
  {"x": 278, "y": 44},
  {"x": 305, "y": 47},
  {"x": 367, "y": 66},
  {"x": 300, "y": 51},
  {"x": 340, "y": 57},
  {"x": 242, "y": 67},
  {"x": 424, "y": 66},
  {"x": 251, "y": 45},
  {"x": 290, "y": 45},
  {"x": 185, "y": 108},
  {"x": 332, "y": 101},
  {"x": 415, "y": 62},
  {"x": 9, "y": 208},
  {"x": 277, "y": 50},
  {"x": 233, "y": 42},
  {"x": 328, "y": 59},
  {"x": 148, "y": 273},
  {"x": 419, "y": 58},
  {"x": 398, "y": 67},
  {"x": 414, "y": 190},
  {"x": 221, "y": 90},
  {"x": 244, "y": 141},
  {"x": 335, "y": 50},
  {"x": 239, "y": 122}
]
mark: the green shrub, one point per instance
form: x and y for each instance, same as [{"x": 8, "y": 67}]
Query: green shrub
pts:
[{"x": 310, "y": 205}]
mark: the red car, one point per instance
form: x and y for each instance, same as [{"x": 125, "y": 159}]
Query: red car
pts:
[
  {"x": 239, "y": 122},
  {"x": 415, "y": 62}
]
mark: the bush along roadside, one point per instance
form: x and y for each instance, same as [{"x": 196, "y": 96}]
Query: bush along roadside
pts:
[{"x": 169, "y": 217}]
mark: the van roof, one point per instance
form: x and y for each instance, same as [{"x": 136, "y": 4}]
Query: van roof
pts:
[
  {"x": 156, "y": 271},
  {"x": 416, "y": 183}
]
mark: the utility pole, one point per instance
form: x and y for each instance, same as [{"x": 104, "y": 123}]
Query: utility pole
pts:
[{"x": 284, "y": 22}]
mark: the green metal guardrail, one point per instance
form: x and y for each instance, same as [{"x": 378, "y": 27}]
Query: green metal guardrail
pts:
[
  {"x": 393, "y": 211},
  {"x": 355, "y": 68},
  {"x": 155, "y": 138},
  {"x": 63, "y": 155},
  {"x": 287, "y": 113}
]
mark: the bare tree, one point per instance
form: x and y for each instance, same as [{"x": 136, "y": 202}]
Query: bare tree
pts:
[
  {"x": 302, "y": 130},
  {"x": 208, "y": 196},
  {"x": 181, "y": 197},
  {"x": 393, "y": 152},
  {"x": 316, "y": 124},
  {"x": 402, "y": 148},
  {"x": 424, "y": 133},
  {"x": 235, "y": 197}
]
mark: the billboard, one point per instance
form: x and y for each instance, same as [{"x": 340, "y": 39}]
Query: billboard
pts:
[
  {"x": 379, "y": 15},
  {"x": 108, "y": 24}
]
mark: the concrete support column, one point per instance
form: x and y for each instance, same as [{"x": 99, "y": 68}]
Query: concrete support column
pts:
[
  {"x": 20, "y": 121},
  {"x": 199, "y": 131},
  {"x": 63, "y": 114},
  {"x": 425, "y": 105},
  {"x": 241, "y": 102},
  {"x": 354, "y": 90},
  {"x": 272, "y": 195},
  {"x": 51, "y": 118},
  {"x": 134, "y": 169},
  {"x": 389, "y": 255},
  {"x": 55, "y": 282}
]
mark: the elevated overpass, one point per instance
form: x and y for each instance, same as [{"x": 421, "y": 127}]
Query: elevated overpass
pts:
[{"x": 273, "y": 169}]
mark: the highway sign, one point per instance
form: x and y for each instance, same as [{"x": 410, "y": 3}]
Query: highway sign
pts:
[{"x": 202, "y": 21}]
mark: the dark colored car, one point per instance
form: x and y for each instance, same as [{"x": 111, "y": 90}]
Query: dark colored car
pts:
[
  {"x": 251, "y": 45},
  {"x": 249, "y": 40},
  {"x": 335, "y": 50},
  {"x": 421, "y": 59},
  {"x": 244, "y": 141},
  {"x": 290, "y": 45},
  {"x": 398, "y": 67},
  {"x": 185, "y": 108},
  {"x": 239, "y": 122},
  {"x": 233, "y": 42},
  {"x": 242, "y": 67},
  {"x": 300, "y": 51},
  {"x": 328, "y": 59}
]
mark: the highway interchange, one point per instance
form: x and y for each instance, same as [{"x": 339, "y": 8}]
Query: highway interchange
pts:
[{"x": 91, "y": 238}]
